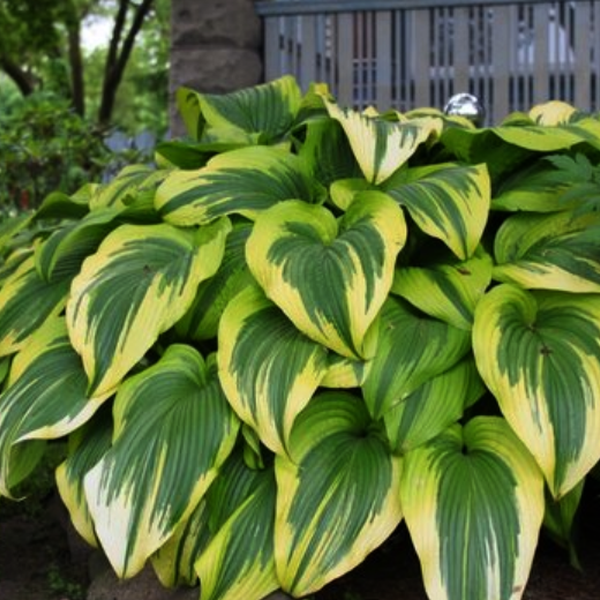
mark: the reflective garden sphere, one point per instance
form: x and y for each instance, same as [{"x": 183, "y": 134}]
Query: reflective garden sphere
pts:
[{"x": 466, "y": 105}]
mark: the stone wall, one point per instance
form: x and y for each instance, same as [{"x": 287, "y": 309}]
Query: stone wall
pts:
[{"x": 215, "y": 48}]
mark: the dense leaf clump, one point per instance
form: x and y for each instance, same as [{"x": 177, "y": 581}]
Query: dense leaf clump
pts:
[{"x": 306, "y": 324}]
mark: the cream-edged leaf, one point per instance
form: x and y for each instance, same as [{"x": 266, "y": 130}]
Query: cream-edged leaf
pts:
[
  {"x": 539, "y": 354},
  {"x": 173, "y": 430},
  {"x": 138, "y": 284},
  {"x": 329, "y": 277},
  {"x": 473, "y": 500}
]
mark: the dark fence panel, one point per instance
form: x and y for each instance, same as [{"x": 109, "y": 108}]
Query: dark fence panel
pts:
[{"x": 406, "y": 54}]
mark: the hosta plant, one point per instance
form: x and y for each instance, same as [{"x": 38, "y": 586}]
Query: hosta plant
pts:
[{"x": 306, "y": 325}]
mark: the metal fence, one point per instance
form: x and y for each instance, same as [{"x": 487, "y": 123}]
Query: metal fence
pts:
[{"x": 407, "y": 54}]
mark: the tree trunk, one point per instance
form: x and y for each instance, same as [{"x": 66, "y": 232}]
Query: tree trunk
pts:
[
  {"x": 118, "y": 54},
  {"x": 21, "y": 78},
  {"x": 76, "y": 62}
]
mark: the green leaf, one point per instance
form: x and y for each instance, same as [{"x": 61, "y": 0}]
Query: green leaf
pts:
[
  {"x": 141, "y": 281},
  {"x": 557, "y": 251},
  {"x": 173, "y": 429},
  {"x": 559, "y": 521},
  {"x": 235, "y": 483},
  {"x": 411, "y": 349},
  {"x": 382, "y": 146},
  {"x": 473, "y": 501},
  {"x": 433, "y": 407},
  {"x": 201, "y": 322},
  {"x": 246, "y": 182},
  {"x": 239, "y": 562},
  {"x": 330, "y": 278},
  {"x": 26, "y": 302},
  {"x": 58, "y": 205},
  {"x": 450, "y": 202},
  {"x": 61, "y": 255},
  {"x": 338, "y": 494},
  {"x": 45, "y": 398},
  {"x": 539, "y": 354},
  {"x": 551, "y": 113},
  {"x": 11, "y": 227},
  {"x": 343, "y": 372},
  {"x": 536, "y": 188},
  {"x": 268, "y": 369},
  {"x": 268, "y": 110},
  {"x": 86, "y": 447},
  {"x": 446, "y": 291},
  {"x": 118, "y": 193},
  {"x": 327, "y": 152}
]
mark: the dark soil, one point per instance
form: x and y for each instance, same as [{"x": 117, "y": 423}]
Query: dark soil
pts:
[{"x": 36, "y": 564}]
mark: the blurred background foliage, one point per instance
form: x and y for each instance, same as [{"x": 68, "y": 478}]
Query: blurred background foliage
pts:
[{"x": 81, "y": 82}]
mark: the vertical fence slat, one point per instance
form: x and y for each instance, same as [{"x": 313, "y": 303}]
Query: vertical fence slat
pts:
[
  {"x": 460, "y": 50},
  {"x": 500, "y": 106},
  {"x": 383, "y": 54},
  {"x": 421, "y": 44},
  {"x": 308, "y": 50},
  {"x": 345, "y": 58},
  {"x": 541, "y": 53},
  {"x": 583, "y": 58},
  {"x": 273, "y": 49}
]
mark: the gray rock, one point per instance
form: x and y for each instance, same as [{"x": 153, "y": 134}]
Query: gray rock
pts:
[{"x": 215, "y": 22}]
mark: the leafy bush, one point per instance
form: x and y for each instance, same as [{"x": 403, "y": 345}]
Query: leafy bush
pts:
[
  {"x": 305, "y": 325},
  {"x": 45, "y": 146}
]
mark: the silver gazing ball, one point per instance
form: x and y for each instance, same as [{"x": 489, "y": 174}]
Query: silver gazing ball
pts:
[{"x": 467, "y": 106}]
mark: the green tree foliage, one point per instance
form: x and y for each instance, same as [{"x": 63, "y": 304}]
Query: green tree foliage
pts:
[{"x": 41, "y": 46}]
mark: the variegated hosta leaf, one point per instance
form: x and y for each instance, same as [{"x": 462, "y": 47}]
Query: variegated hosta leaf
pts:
[
  {"x": 245, "y": 181},
  {"x": 239, "y": 560},
  {"x": 338, "y": 495},
  {"x": 382, "y": 146},
  {"x": 558, "y": 251},
  {"x": 46, "y": 396},
  {"x": 450, "y": 202},
  {"x": 140, "y": 282},
  {"x": 235, "y": 483},
  {"x": 411, "y": 349},
  {"x": 123, "y": 187},
  {"x": 552, "y": 113},
  {"x": 559, "y": 521},
  {"x": 535, "y": 188},
  {"x": 473, "y": 500},
  {"x": 448, "y": 292},
  {"x": 60, "y": 256},
  {"x": 330, "y": 278},
  {"x": 542, "y": 138},
  {"x": 188, "y": 107},
  {"x": 9, "y": 228},
  {"x": 173, "y": 430},
  {"x": 58, "y": 205},
  {"x": 326, "y": 150},
  {"x": 86, "y": 447},
  {"x": 13, "y": 261},
  {"x": 174, "y": 561},
  {"x": 433, "y": 407},
  {"x": 268, "y": 369},
  {"x": 269, "y": 110},
  {"x": 344, "y": 191},
  {"x": 201, "y": 322},
  {"x": 26, "y": 302},
  {"x": 343, "y": 372},
  {"x": 539, "y": 354}
]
